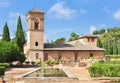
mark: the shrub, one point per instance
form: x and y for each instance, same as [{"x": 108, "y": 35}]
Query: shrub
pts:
[
  {"x": 2, "y": 70},
  {"x": 105, "y": 69},
  {"x": 56, "y": 62},
  {"x": 33, "y": 63},
  {"x": 27, "y": 62},
  {"x": 38, "y": 63},
  {"x": 6, "y": 65},
  {"x": 115, "y": 56}
]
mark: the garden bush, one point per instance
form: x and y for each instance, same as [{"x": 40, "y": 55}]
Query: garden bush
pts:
[
  {"x": 115, "y": 56},
  {"x": 6, "y": 65},
  {"x": 105, "y": 69},
  {"x": 2, "y": 70},
  {"x": 38, "y": 63},
  {"x": 27, "y": 62},
  {"x": 33, "y": 63}
]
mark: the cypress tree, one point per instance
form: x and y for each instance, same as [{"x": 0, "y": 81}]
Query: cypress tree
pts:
[
  {"x": 99, "y": 43},
  {"x": 20, "y": 37},
  {"x": 6, "y": 34}
]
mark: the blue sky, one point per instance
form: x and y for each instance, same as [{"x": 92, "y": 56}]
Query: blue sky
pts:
[{"x": 63, "y": 16}]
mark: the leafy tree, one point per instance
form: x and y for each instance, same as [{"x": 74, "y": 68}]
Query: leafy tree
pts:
[
  {"x": 98, "y": 32},
  {"x": 73, "y": 37},
  {"x": 10, "y": 52},
  {"x": 110, "y": 41},
  {"x": 19, "y": 37},
  {"x": 59, "y": 41},
  {"x": 99, "y": 43},
  {"x": 101, "y": 31},
  {"x": 6, "y": 35},
  {"x": 95, "y": 32}
]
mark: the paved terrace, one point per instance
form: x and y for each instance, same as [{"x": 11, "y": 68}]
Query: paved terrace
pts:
[{"x": 80, "y": 72}]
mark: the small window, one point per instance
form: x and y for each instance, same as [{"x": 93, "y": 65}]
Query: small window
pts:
[
  {"x": 36, "y": 43},
  {"x": 36, "y": 25},
  {"x": 37, "y": 54}
]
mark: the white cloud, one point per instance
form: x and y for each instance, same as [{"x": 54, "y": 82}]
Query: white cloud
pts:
[
  {"x": 4, "y": 3},
  {"x": 61, "y": 11},
  {"x": 83, "y": 11},
  {"x": 92, "y": 28},
  {"x": 14, "y": 16},
  {"x": 102, "y": 25},
  {"x": 116, "y": 14}
]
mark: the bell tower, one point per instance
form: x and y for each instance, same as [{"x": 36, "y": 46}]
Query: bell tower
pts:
[{"x": 35, "y": 35}]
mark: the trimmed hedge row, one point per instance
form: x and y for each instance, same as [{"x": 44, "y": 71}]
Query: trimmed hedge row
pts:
[
  {"x": 2, "y": 70},
  {"x": 3, "y": 66},
  {"x": 105, "y": 69},
  {"x": 115, "y": 56},
  {"x": 6, "y": 65}
]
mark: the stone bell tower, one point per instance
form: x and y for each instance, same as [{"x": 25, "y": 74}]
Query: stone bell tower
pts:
[{"x": 35, "y": 35}]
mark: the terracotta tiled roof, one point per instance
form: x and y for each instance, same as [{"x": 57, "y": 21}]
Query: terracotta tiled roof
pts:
[
  {"x": 74, "y": 45},
  {"x": 89, "y": 35},
  {"x": 36, "y": 10}
]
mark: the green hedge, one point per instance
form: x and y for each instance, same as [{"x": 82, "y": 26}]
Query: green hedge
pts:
[
  {"x": 115, "y": 56},
  {"x": 6, "y": 65},
  {"x": 105, "y": 69},
  {"x": 2, "y": 70}
]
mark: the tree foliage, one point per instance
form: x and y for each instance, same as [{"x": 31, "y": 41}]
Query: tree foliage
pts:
[
  {"x": 19, "y": 37},
  {"x": 73, "y": 37},
  {"x": 6, "y": 34},
  {"x": 110, "y": 40},
  {"x": 59, "y": 41},
  {"x": 10, "y": 52},
  {"x": 98, "y": 32}
]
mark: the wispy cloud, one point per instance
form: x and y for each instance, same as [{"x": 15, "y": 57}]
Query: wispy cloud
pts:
[
  {"x": 14, "y": 16},
  {"x": 92, "y": 28},
  {"x": 96, "y": 27},
  {"x": 83, "y": 11},
  {"x": 61, "y": 11},
  {"x": 116, "y": 14},
  {"x": 4, "y": 3}
]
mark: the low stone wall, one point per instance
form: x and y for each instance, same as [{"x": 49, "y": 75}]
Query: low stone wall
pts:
[{"x": 40, "y": 80}]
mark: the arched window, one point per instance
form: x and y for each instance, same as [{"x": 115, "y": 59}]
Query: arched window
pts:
[
  {"x": 36, "y": 25},
  {"x": 36, "y": 43}
]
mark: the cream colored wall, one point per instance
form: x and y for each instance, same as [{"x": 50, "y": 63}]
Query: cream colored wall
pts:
[
  {"x": 36, "y": 36},
  {"x": 32, "y": 56},
  {"x": 85, "y": 41}
]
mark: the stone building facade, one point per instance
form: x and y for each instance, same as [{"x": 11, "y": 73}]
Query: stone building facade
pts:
[{"x": 35, "y": 48}]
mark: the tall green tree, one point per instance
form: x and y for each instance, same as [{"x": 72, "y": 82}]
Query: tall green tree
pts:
[
  {"x": 20, "y": 36},
  {"x": 6, "y": 34},
  {"x": 99, "y": 43},
  {"x": 110, "y": 40}
]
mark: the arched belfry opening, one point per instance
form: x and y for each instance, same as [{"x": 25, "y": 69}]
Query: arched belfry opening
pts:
[{"x": 36, "y": 24}]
